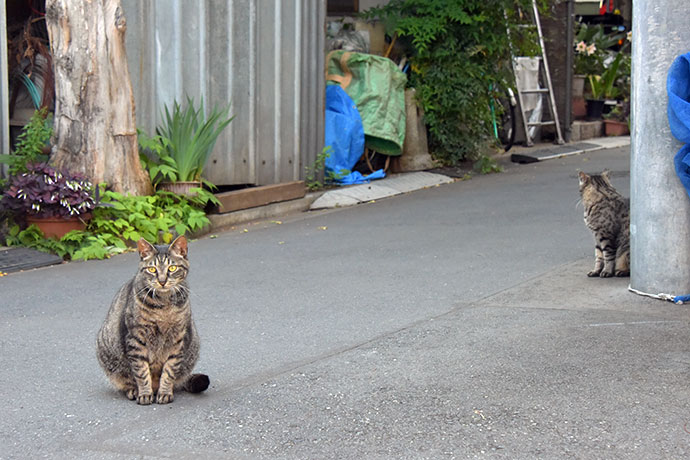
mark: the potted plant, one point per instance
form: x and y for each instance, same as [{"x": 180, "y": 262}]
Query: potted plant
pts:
[
  {"x": 176, "y": 156},
  {"x": 56, "y": 201},
  {"x": 616, "y": 122},
  {"x": 603, "y": 87},
  {"x": 592, "y": 48}
]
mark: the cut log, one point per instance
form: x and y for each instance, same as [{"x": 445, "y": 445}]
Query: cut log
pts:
[{"x": 95, "y": 126}]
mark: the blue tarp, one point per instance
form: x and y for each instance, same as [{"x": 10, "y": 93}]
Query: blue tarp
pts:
[
  {"x": 678, "y": 88},
  {"x": 345, "y": 137}
]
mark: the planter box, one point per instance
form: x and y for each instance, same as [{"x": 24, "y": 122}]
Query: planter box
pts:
[{"x": 259, "y": 196}]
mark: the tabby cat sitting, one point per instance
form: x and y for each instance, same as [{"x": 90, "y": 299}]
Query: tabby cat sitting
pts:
[
  {"x": 148, "y": 344},
  {"x": 607, "y": 214}
]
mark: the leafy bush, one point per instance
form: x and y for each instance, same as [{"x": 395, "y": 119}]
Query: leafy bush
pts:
[
  {"x": 118, "y": 222},
  {"x": 30, "y": 143},
  {"x": 458, "y": 50}
]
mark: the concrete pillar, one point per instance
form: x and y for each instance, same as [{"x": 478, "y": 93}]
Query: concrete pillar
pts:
[{"x": 660, "y": 208}]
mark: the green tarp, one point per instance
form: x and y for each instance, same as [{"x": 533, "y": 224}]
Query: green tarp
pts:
[{"x": 378, "y": 89}]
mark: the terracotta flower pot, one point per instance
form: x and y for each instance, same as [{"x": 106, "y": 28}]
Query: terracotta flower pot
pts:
[
  {"x": 57, "y": 227},
  {"x": 615, "y": 128},
  {"x": 180, "y": 188}
]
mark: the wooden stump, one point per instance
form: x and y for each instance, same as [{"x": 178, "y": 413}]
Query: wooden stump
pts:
[{"x": 95, "y": 126}]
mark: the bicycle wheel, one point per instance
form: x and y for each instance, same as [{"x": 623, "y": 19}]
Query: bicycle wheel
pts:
[{"x": 506, "y": 124}]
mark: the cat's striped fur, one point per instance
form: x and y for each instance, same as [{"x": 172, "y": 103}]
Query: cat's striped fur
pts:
[
  {"x": 148, "y": 344},
  {"x": 607, "y": 214}
]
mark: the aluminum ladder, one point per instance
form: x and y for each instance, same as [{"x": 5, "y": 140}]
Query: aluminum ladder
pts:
[{"x": 543, "y": 72}]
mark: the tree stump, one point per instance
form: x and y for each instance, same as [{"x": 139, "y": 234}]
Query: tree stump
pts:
[{"x": 95, "y": 125}]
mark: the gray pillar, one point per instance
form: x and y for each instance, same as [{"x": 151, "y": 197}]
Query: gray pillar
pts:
[{"x": 660, "y": 213}]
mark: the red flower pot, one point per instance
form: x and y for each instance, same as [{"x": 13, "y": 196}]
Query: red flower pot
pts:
[
  {"x": 615, "y": 128},
  {"x": 57, "y": 227}
]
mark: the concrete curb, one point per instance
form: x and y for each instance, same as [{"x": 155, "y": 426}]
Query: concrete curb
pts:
[
  {"x": 384, "y": 188},
  {"x": 223, "y": 221}
]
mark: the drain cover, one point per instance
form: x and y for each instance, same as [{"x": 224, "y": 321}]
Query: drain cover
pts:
[{"x": 17, "y": 259}]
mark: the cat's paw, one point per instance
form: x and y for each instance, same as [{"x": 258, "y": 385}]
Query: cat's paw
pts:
[
  {"x": 164, "y": 398},
  {"x": 605, "y": 274},
  {"x": 622, "y": 273},
  {"x": 145, "y": 400},
  {"x": 131, "y": 394},
  {"x": 593, "y": 273}
]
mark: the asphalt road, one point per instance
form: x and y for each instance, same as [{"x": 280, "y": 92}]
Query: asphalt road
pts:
[{"x": 452, "y": 322}]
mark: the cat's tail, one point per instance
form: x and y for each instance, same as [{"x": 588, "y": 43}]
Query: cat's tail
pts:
[{"x": 196, "y": 383}]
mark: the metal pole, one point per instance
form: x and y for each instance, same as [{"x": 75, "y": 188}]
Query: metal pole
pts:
[{"x": 660, "y": 208}]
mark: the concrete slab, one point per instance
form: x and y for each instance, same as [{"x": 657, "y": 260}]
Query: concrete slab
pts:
[
  {"x": 532, "y": 155},
  {"x": 611, "y": 142},
  {"x": 383, "y": 188}
]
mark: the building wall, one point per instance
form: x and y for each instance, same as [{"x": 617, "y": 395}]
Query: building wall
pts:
[
  {"x": 4, "y": 91},
  {"x": 266, "y": 58}
]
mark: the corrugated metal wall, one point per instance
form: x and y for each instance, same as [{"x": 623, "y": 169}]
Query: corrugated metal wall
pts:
[
  {"x": 4, "y": 91},
  {"x": 263, "y": 56}
]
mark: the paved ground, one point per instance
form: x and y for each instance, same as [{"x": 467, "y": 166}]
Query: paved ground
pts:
[{"x": 452, "y": 322}]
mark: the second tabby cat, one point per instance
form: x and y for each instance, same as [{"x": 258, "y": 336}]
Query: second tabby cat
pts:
[{"x": 607, "y": 215}]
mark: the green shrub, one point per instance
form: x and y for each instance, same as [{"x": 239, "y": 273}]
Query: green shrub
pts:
[
  {"x": 458, "y": 50},
  {"x": 120, "y": 221},
  {"x": 29, "y": 146}
]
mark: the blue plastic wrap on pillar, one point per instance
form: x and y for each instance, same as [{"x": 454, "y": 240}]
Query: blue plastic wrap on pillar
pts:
[
  {"x": 678, "y": 88},
  {"x": 344, "y": 136}
]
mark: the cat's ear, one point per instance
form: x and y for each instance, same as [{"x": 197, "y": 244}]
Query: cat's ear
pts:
[
  {"x": 584, "y": 178},
  {"x": 606, "y": 175},
  {"x": 145, "y": 249},
  {"x": 179, "y": 247}
]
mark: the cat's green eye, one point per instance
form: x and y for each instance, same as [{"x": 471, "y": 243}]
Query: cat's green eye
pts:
[
  {"x": 151, "y": 269},
  {"x": 172, "y": 268}
]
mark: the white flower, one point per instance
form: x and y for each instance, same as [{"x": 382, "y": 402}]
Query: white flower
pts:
[
  {"x": 629, "y": 36},
  {"x": 591, "y": 49},
  {"x": 581, "y": 47}
]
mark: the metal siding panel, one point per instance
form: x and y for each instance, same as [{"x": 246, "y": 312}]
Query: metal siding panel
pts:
[
  {"x": 265, "y": 110},
  {"x": 286, "y": 95},
  {"x": 226, "y": 163},
  {"x": 298, "y": 107},
  {"x": 266, "y": 59},
  {"x": 4, "y": 87}
]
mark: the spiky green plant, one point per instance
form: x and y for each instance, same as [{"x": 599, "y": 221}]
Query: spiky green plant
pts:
[{"x": 188, "y": 136}]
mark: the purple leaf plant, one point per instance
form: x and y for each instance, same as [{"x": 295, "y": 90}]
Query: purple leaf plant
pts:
[{"x": 44, "y": 191}]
